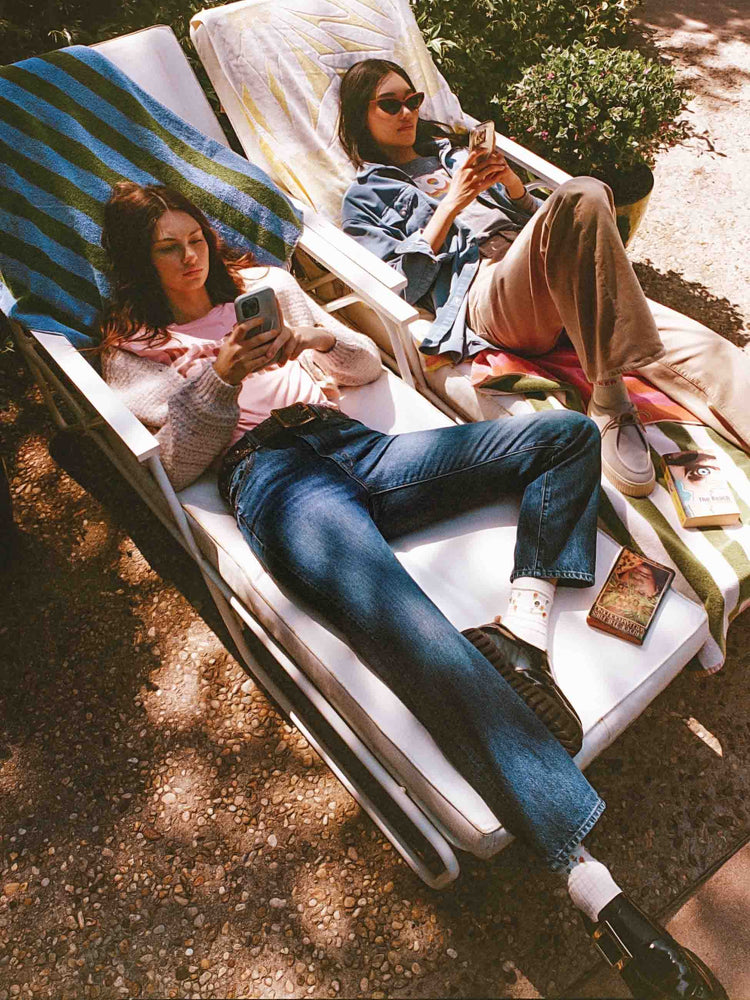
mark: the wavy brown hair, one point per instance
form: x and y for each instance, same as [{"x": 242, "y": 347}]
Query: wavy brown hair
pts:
[
  {"x": 138, "y": 308},
  {"x": 358, "y": 86}
]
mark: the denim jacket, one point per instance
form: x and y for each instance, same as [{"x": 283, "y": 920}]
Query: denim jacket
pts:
[{"x": 386, "y": 212}]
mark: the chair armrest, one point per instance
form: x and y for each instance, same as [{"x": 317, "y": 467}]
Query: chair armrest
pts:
[
  {"x": 343, "y": 260},
  {"x": 140, "y": 441},
  {"x": 384, "y": 273},
  {"x": 338, "y": 239},
  {"x": 351, "y": 263}
]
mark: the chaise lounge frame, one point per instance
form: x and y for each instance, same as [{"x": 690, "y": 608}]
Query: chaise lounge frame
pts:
[{"x": 80, "y": 400}]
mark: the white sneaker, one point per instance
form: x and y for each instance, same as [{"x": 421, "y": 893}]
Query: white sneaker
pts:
[{"x": 626, "y": 460}]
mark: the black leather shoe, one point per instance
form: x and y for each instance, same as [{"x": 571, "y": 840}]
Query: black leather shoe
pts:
[
  {"x": 526, "y": 668},
  {"x": 653, "y": 965}
]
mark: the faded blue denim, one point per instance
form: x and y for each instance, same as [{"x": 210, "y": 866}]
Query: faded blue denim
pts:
[
  {"x": 317, "y": 506},
  {"x": 386, "y": 212}
]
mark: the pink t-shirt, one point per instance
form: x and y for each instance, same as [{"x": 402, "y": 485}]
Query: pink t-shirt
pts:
[{"x": 190, "y": 344}]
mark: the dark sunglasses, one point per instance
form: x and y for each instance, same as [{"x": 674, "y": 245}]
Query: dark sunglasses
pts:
[{"x": 392, "y": 105}]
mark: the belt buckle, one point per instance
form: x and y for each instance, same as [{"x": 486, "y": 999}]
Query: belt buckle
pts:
[{"x": 294, "y": 415}]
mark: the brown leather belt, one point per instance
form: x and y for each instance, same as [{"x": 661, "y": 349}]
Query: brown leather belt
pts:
[{"x": 287, "y": 418}]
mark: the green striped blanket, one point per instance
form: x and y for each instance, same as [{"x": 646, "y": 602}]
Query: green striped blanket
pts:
[
  {"x": 71, "y": 126},
  {"x": 712, "y": 564}
]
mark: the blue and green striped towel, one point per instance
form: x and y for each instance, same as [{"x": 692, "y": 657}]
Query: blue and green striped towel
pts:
[{"x": 71, "y": 126}]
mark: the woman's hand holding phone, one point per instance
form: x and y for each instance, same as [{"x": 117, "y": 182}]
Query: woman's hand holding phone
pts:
[
  {"x": 293, "y": 340},
  {"x": 244, "y": 350},
  {"x": 478, "y": 173}
]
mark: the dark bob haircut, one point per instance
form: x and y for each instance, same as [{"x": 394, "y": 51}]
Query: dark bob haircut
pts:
[
  {"x": 357, "y": 88},
  {"x": 138, "y": 308}
]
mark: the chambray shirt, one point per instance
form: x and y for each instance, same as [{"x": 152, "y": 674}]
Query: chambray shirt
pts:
[{"x": 386, "y": 212}]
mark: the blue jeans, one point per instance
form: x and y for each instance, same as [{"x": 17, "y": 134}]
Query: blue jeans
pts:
[{"x": 317, "y": 505}]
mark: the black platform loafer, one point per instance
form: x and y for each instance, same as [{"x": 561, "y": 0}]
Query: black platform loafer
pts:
[
  {"x": 653, "y": 965},
  {"x": 526, "y": 668}
]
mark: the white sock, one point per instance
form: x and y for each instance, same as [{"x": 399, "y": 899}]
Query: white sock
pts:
[
  {"x": 529, "y": 609},
  {"x": 611, "y": 395},
  {"x": 590, "y": 883}
]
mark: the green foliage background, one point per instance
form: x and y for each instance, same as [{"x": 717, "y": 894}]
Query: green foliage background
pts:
[
  {"x": 597, "y": 111},
  {"x": 483, "y": 46},
  {"x": 30, "y": 28},
  {"x": 563, "y": 77},
  {"x": 494, "y": 54}
]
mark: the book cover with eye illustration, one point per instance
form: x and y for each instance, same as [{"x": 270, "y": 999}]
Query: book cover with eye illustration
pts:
[
  {"x": 699, "y": 490},
  {"x": 628, "y": 601}
]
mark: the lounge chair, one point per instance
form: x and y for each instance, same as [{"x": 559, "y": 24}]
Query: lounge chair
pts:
[
  {"x": 283, "y": 107},
  {"x": 368, "y": 737}
]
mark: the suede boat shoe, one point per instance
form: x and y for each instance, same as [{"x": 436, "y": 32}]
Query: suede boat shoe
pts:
[
  {"x": 526, "y": 668},
  {"x": 626, "y": 459},
  {"x": 653, "y": 965}
]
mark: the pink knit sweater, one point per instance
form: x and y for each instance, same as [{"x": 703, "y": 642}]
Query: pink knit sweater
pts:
[{"x": 196, "y": 416}]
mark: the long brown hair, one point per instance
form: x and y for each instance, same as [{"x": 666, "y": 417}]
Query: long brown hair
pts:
[
  {"x": 357, "y": 88},
  {"x": 138, "y": 308}
]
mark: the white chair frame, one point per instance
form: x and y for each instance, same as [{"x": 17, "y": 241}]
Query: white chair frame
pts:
[{"x": 80, "y": 400}]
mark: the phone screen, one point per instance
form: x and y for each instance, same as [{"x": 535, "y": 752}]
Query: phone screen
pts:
[{"x": 482, "y": 137}]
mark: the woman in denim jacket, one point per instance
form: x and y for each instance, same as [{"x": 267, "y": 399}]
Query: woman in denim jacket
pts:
[{"x": 498, "y": 266}]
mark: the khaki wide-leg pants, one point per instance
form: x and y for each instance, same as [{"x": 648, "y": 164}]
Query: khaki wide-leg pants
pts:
[{"x": 568, "y": 268}]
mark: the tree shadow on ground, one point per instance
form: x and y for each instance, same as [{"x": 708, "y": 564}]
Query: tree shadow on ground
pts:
[
  {"x": 694, "y": 300},
  {"x": 692, "y": 33},
  {"x": 83, "y": 461}
]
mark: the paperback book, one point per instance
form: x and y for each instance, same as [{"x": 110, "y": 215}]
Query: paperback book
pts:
[
  {"x": 699, "y": 490},
  {"x": 628, "y": 601}
]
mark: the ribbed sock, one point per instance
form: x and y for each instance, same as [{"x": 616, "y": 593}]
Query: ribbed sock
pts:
[
  {"x": 590, "y": 883},
  {"x": 611, "y": 395},
  {"x": 529, "y": 609}
]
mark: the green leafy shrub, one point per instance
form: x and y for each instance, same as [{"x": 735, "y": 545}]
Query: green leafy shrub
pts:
[
  {"x": 596, "y": 111},
  {"x": 483, "y": 46}
]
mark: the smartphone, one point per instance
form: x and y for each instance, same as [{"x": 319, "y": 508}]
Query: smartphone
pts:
[
  {"x": 482, "y": 137},
  {"x": 261, "y": 302}
]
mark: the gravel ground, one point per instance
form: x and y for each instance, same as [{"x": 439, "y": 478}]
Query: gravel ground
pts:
[
  {"x": 693, "y": 250},
  {"x": 164, "y": 833}
]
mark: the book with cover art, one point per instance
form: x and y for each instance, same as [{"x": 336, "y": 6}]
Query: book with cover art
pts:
[
  {"x": 627, "y": 603},
  {"x": 699, "y": 490}
]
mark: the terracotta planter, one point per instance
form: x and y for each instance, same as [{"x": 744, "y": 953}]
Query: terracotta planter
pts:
[{"x": 632, "y": 192}]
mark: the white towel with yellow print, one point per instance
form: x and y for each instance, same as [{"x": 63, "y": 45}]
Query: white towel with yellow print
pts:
[{"x": 276, "y": 67}]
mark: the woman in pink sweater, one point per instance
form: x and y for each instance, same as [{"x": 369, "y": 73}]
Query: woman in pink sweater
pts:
[{"x": 317, "y": 494}]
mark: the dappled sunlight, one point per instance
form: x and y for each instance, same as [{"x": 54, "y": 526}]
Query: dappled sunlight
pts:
[
  {"x": 175, "y": 694},
  {"x": 172, "y": 696},
  {"x": 719, "y": 18},
  {"x": 708, "y": 37},
  {"x": 326, "y": 918},
  {"x": 132, "y": 568}
]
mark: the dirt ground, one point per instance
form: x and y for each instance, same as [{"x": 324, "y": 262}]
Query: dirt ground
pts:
[
  {"x": 164, "y": 833},
  {"x": 693, "y": 251}
]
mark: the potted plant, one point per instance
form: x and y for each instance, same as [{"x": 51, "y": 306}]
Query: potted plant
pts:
[{"x": 601, "y": 112}]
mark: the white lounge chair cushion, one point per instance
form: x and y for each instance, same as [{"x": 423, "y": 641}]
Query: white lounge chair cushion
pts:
[
  {"x": 153, "y": 59},
  {"x": 464, "y": 565}
]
